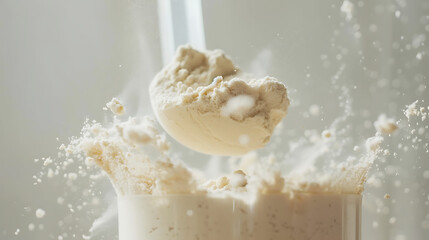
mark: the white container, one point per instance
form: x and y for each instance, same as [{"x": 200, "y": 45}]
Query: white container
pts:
[{"x": 269, "y": 217}]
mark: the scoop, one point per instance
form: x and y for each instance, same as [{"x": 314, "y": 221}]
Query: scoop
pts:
[{"x": 204, "y": 102}]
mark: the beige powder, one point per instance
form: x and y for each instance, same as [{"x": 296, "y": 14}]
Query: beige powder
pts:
[
  {"x": 116, "y": 106},
  {"x": 121, "y": 150},
  {"x": 385, "y": 125},
  {"x": 203, "y": 101}
]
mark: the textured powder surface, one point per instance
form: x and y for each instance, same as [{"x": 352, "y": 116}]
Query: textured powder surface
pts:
[
  {"x": 204, "y": 102},
  {"x": 121, "y": 150},
  {"x": 262, "y": 175}
]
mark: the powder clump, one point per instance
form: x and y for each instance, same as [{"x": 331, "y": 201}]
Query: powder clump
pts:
[
  {"x": 116, "y": 107},
  {"x": 385, "y": 125}
]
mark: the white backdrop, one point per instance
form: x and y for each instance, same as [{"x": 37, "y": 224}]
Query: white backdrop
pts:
[{"x": 61, "y": 61}]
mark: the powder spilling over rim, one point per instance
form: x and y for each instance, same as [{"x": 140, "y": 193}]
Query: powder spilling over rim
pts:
[
  {"x": 122, "y": 150},
  {"x": 135, "y": 156}
]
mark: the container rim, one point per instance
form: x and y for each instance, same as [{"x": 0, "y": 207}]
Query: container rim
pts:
[{"x": 192, "y": 195}]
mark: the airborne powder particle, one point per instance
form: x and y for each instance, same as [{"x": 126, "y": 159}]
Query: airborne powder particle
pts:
[{"x": 40, "y": 213}]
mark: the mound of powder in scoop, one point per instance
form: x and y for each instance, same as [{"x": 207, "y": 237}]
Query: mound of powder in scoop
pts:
[{"x": 204, "y": 102}]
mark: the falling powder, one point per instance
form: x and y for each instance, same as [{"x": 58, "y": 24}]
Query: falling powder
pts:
[
  {"x": 40, "y": 213},
  {"x": 116, "y": 106}
]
